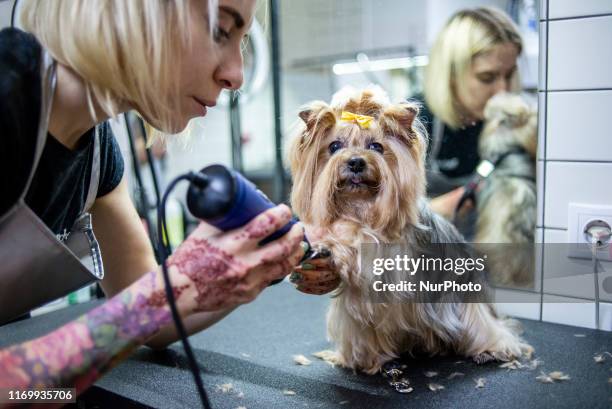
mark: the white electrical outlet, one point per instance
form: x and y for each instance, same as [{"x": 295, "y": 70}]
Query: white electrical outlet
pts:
[{"x": 580, "y": 215}]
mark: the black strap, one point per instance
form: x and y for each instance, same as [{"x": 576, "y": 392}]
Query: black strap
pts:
[
  {"x": 469, "y": 193},
  {"x": 517, "y": 150}
]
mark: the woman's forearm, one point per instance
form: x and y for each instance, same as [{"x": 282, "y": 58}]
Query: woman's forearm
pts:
[
  {"x": 78, "y": 353},
  {"x": 193, "y": 324}
]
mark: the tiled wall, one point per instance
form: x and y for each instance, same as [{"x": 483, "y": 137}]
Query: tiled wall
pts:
[{"x": 575, "y": 137}]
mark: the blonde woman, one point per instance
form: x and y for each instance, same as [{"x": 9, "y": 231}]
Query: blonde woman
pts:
[
  {"x": 473, "y": 58},
  {"x": 84, "y": 62}
]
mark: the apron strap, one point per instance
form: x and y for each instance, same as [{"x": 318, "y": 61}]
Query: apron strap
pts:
[
  {"x": 48, "y": 82},
  {"x": 94, "y": 180}
]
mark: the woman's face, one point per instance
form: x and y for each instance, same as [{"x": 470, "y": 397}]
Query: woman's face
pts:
[
  {"x": 212, "y": 62},
  {"x": 489, "y": 74}
]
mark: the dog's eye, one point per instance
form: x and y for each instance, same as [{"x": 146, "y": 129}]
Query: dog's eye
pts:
[
  {"x": 335, "y": 146},
  {"x": 375, "y": 146}
]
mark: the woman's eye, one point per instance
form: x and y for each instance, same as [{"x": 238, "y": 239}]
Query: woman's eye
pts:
[
  {"x": 375, "y": 146},
  {"x": 487, "y": 79},
  {"x": 335, "y": 146},
  {"x": 220, "y": 34}
]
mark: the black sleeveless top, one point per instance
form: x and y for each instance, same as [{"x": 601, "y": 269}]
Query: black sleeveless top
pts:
[
  {"x": 458, "y": 154},
  {"x": 59, "y": 188}
]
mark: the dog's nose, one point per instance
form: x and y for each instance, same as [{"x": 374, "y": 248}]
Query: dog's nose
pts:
[{"x": 356, "y": 164}]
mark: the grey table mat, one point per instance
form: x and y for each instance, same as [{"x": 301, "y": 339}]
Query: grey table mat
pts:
[{"x": 252, "y": 350}]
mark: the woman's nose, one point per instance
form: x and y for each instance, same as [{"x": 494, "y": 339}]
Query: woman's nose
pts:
[
  {"x": 502, "y": 85},
  {"x": 229, "y": 73}
]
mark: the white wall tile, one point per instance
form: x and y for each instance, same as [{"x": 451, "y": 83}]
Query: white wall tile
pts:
[
  {"x": 523, "y": 305},
  {"x": 542, "y": 56},
  {"x": 540, "y": 198},
  {"x": 555, "y": 236},
  {"x": 5, "y": 13},
  {"x": 543, "y": 9},
  {"x": 605, "y": 316},
  {"x": 538, "y": 239},
  {"x": 541, "y": 153},
  {"x": 569, "y": 311},
  {"x": 571, "y": 277},
  {"x": 580, "y": 53},
  {"x": 575, "y": 8},
  {"x": 568, "y": 182},
  {"x": 520, "y": 310},
  {"x": 577, "y": 125}
]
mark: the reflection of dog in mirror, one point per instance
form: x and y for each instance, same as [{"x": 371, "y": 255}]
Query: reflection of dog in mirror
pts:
[
  {"x": 506, "y": 200},
  {"x": 358, "y": 173}
]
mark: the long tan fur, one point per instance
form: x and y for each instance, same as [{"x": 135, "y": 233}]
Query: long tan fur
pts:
[{"x": 383, "y": 204}]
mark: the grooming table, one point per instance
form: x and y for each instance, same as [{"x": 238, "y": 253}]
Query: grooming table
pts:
[{"x": 252, "y": 350}]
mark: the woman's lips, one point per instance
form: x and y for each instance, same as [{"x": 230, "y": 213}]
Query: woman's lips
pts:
[{"x": 204, "y": 104}]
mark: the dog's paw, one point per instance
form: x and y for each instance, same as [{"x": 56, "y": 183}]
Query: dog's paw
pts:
[
  {"x": 505, "y": 352},
  {"x": 526, "y": 350},
  {"x": 331, "y": 357},
  {"x": 319, "y": 250},
  {"x": 483, "y": 358},
  {"x": 392, "y": 369}
]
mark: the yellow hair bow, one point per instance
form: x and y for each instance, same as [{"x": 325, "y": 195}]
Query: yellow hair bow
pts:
[{"x": 363, "y": 121}]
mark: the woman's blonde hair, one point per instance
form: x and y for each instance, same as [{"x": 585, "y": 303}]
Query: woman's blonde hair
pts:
[
  {"x": 125, "y": 50},
  {"x": 467, "y": 34}
]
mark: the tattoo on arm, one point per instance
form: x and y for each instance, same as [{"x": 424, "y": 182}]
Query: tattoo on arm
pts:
[
  {"x": 78, "y": 353},
  {"x": 204, "y": 263}
]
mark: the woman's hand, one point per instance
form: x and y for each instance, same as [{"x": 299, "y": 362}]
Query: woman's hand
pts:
[
  {"x": 316, "y": 275},
  {"x": 228, "y": 269}
]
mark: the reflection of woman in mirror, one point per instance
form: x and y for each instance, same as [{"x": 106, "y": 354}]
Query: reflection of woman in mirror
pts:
[{"x": 473, "y": 58}]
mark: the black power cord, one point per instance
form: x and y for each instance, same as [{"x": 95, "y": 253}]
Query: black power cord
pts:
[
  {"x": 140, "y": 189},
  {"x": 13, "y": 11},
  {"x": 151, "y": 160},
  {"x": 165, "y": 251}
]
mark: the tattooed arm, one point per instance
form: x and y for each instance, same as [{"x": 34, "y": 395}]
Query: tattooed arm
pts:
[
  {"x": 77, "y": 353},
  {"x": 127, "y": 254},
  {"x": 208, "y": 273}
]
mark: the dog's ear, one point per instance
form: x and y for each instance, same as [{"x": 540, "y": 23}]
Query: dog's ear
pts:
[
  {"x": 398, "y": 119},
  {"x": 317, "y": 116},
  {"x": 305, "y": 114}
]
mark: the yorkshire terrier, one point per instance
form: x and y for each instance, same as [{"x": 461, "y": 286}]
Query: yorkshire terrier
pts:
[
  {"x": 358, "y": 174},
  {"x": 506, "y": 199}
]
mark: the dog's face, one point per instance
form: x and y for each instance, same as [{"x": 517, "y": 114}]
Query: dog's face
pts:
[
  {"x": 509, "y": 121},
  {"x": 359, "y": 158}
]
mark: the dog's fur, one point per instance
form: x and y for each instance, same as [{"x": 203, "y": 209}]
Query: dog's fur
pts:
[
  {"x": 383, "y": 204},
  {"x": 506, "y": 201}
]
